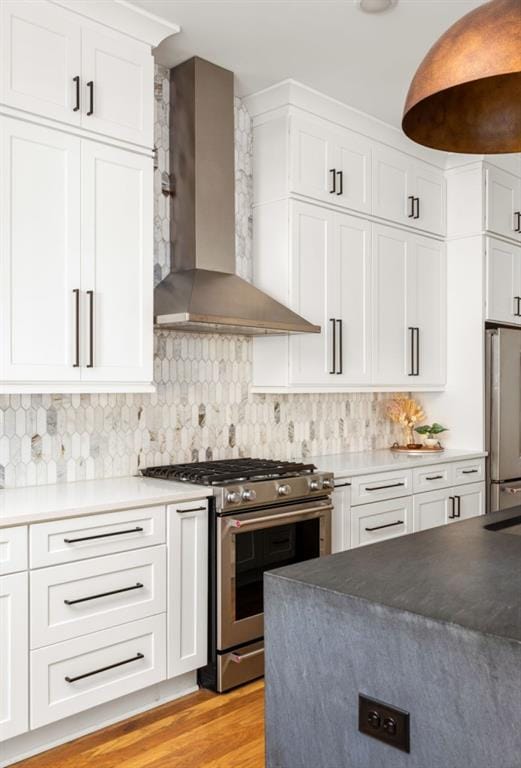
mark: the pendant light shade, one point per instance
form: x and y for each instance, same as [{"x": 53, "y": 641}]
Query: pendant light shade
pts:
[{"x": 466, "y": 94}]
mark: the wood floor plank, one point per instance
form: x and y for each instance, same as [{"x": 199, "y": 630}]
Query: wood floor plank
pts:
[{"x": 202, "y": 730}]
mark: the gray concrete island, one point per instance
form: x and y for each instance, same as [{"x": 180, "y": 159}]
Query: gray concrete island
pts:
[{"x": 429, "y": 623}]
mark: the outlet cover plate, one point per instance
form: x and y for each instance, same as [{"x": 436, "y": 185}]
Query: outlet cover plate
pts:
[{"x": 384, "y": 722}]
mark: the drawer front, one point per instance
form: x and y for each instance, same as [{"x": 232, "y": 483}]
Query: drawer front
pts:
[
  {"x": 13, "y": 549},
  {"x": 72, "y": 600},
  {"x": 63, "y": 541},
  {"x": 383, "y": 520},
  {"x": 430, "y": 478},
  {"x": 70, "y": 677},
  {"x": 465, "y": 472},
  {"x": 384, "y": 485}
]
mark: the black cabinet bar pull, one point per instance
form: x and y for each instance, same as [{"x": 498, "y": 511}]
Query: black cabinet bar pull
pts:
[
  {"x": 458, "y": 512},
  {"x": 340, "y": 175},
  {"x": 343, "y": 485},
  {"x": 192, "y": 509},
  {"x": 76, "y": 363},
  {"x": 517, "y": 309},
  {"x": 415, "y": 351},
  {"x": 90, "y": 86},
  {"x": 340, "y": 345},
  {"x": 417, "y": 209},
  {"x": 103, "y": 594},
  {"x": 384, "y": 487},
  {"x": 333, "y": 364},
  {"x": 453, "y": 514},
  {"x": 387, "y": 525},
  {"x": 76, "y": 80},
  {"x": 517, "y": 227},
  {"x": 103, "y": 535},
  {"x": 435, "y": 477},
  {"x": 333, "y": 172},
  {"x": 137, "y": 657},
  {"x": 411, "y": 200},
  {"x": 469, "y": 471},
  {"x": 90, "y": 294},
  {"x": 411, "y": 371}
]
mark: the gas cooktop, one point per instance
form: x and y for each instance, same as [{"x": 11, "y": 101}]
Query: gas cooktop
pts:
[{"x": 229, "y": 471}]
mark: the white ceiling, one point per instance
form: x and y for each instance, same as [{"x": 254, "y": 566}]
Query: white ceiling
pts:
[{"x": 364, "y": 60}]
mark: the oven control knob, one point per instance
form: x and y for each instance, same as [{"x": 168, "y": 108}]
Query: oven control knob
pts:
[
  {"x": 232, "y": 497},
  {"x": 315, "y": 485},
  {"x": 249, "y": 495},
  {"x": 284, "y": 490},
  {"x": 326, "y": 483}
]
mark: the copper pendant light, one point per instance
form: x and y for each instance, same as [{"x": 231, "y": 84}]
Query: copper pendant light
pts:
[{"x": 466, "y": 94}]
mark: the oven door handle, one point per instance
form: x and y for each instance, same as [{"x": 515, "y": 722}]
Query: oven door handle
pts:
[
  {"x": 238, "y": 657},
  {"x": 277, "y": 519}
]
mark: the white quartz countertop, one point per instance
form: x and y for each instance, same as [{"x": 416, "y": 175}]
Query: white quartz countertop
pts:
[
  {"x": 37, "y": 504},
  {"x": 367, "y": 462}
]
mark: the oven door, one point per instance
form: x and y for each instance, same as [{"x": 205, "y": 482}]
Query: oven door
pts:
[{"x": 257, "y": 541}]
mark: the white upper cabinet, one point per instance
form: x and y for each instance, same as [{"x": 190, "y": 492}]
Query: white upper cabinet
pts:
[
  {"x": 76, "y": 227},
  {"x": 502, "y": 203},
  {"x": 330, "y": 163},
  {"x": 65, "y": 67},
  {"x": 408, "y": 309},
  {"x": 40, "y": 253},
  {"x": 503, "y": 264},
  {"x": 118, "y": 86},
  {"x": 408, "y": 191},
  {"x": 40, "y": 58},
  {"x": 116, "y": 262}
]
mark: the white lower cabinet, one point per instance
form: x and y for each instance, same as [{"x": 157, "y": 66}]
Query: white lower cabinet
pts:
[
  {"x": 187, "y": 586},
  {"x": 70, "y": 677},
  {"x": 74, "y": 599},
  {"x": 341, "y": 517},
  {"x": 380, "y": 520},
  {"x": 448, "y": 505},
  {"x": 14, "y": 682}
]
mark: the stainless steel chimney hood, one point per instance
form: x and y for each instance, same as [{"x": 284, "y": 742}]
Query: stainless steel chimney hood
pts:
[{"x": 202, "y": 291}]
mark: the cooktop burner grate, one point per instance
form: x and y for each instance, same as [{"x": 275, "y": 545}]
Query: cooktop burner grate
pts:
[{"x": 228, "y": 471}]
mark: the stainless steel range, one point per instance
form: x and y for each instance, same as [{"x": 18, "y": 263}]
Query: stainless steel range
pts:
[{"x": 264, "y": 515}]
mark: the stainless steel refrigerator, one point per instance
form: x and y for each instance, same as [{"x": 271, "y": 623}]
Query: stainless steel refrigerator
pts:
[{"x": 504, "y": 417}]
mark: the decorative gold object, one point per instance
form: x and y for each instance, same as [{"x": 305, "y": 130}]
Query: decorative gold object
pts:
[
  {"x": 407, "y": 412},
  {"x": 466, "y": 93}
]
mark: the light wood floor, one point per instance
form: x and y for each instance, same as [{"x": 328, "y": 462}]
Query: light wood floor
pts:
[{"x": 202, "y": 730}]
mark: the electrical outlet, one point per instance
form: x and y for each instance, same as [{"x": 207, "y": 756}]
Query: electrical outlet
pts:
[{"x": 384, "y": 722}]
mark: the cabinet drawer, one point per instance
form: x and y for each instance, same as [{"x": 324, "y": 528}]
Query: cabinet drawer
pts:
[
  {"x": 384, "y": 485},
  {"x": 78, "y": 674},
  {"x": 465, "y": 472},
  {"x": 13, "y": 549},
  {"x": 430, "y": 478},
  {"x": 72, "y": 600},
  {"x": 62, "y": 541},
  {"x": 383, "y": 520}
]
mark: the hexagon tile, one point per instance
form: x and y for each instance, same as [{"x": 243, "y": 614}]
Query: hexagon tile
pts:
[{"x": 203, "y": 408}]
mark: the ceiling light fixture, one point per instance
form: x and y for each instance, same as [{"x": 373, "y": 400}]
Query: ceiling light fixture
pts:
[
  {"x": 466, "y": 94},
  {"x": 376, "y": 6}
]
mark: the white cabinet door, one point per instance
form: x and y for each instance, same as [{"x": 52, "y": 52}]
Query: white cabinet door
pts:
[
  {"x": 313, "y": 157},
  {"x": 352, "y": 165},
  {"x": 313, "y": 278},
  {"x": 40, "y": 252},
  {"x": 40, "y": 57},
  {"x": 187, "y": 586},
  {"x": 118, "y": 86},
  {"x": 503, "y": 281},
  {"x": 350, "y": 305},
  {"x": 14, "y": 655},
  {"x": 431, "y": 509},
  {"x": 341, "y": 516},
  {"x": 469, "y": 501},
  {"x": 392, "y": 183},
  {"x": 117, "y": 259},
  {"x": 426, "y": 287},
  {"x": 429, "y": 188},
  {"x": 391, "y": 310},
  {"x": 502, "y": 203}
]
